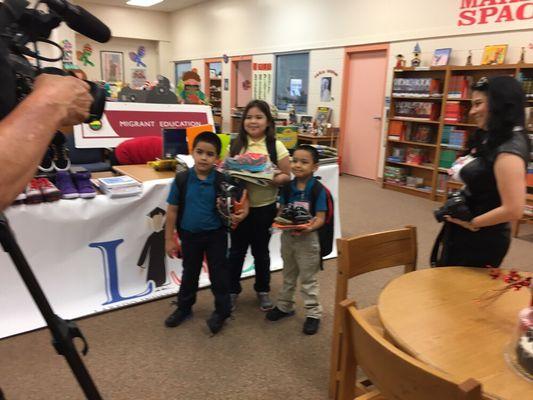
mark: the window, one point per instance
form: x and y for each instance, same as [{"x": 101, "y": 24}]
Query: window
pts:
[
  {"x": 292, "y": 78},
  {"x": 182, "y": 67}
]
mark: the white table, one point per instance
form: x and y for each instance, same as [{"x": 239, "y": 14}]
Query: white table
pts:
[{"x": 84, "y": 254}]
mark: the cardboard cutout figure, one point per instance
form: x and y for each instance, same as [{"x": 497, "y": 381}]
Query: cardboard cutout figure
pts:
[
  {"x": 191, "y": 94},
  {"x": 154, "y": 248}
]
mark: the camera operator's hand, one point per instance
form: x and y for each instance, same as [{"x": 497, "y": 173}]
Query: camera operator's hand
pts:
[
  {"x": 465, "y": 224},
  {"x": 70, "y": 96}
]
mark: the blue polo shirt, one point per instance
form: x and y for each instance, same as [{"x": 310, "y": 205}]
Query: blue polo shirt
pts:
[
  {"x": 200, "y": 203},
  {"x": 303, "y": 197}
]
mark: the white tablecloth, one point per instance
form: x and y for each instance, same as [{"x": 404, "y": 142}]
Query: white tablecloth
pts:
[{"x": 84, "y": 254}]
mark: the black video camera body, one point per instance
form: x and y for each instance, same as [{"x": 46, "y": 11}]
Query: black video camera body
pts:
[
  {"x": 20, "y": 25},
  {"x": 455, "y": 207}
]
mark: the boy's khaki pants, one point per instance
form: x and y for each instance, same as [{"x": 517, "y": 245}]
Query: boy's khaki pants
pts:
[{"x": 301, "y": 257}]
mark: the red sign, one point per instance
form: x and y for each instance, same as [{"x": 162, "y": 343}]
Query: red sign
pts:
[
  {"x": 262, "y": 67},
  {"x": 480, "y": 12}
]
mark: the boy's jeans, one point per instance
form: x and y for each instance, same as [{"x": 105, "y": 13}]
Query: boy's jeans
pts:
[
  {"x": 214, "y": 244},
  {"x": 301, "y": 257}
]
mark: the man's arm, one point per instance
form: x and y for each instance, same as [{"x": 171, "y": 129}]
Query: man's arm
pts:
[{"x": 26, "y": 132}]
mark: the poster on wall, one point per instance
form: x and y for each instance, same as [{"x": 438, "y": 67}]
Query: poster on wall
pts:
[
  {"x": 122, "y": 121},
  {"x": 112, "y": 65},
  {"x": 138, "y": 78},
  {"x": 325, "y": 88},
  {"x": 262, "y": 81}
]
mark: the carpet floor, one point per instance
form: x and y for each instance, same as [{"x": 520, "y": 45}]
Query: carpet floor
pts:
[{"x": 133, "y": 356}]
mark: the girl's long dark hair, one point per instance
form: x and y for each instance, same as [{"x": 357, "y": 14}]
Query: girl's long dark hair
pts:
[
  {"x": 241, "y": 142},
  {"x": 506, "y": 101}
]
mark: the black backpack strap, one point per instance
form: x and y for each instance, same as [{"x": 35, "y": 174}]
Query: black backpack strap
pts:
[
  {"x": 286, "y": 192},
  {"x": 315, "y": 192},
  {"x": 181, "y": 183},
  {"x": 272, "y": 151}
]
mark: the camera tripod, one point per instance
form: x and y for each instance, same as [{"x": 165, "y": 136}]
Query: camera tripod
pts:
[{"x": 63, "y": 331}]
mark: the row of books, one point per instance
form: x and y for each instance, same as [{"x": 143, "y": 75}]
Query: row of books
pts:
[
  {"x": 417, "y": 87},
  {"x": 399, "y": 176},
  {"x": 527, "y": 84},
  {"x": 455, "y": 111},
  {"x": 417, "y": 109},
  {"x": 452, "y": 137},
  {"x": 411, "y": 131},
  {"x": 459, "y": 87},
  {"x": 409, "y": 155},
  {"x": 119, "y": 186}
]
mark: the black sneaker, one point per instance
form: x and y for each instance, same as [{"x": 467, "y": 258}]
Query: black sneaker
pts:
[
  {"x": 311, "y": 326},
  {"x": 215, "y": 323},
  {"x": 46, "y": 163},
  {"x": 61, "y": 160},
  {"x": 301, "y": 215},
  {"x": 287, "y": 216},
  {"x": 177, "y": 317},
  {"x": 276, "y": 314}
]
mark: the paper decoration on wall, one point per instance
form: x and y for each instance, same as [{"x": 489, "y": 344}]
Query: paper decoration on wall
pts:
[
  {"x": 225, "y": 58},
  {"x": 137, "y": 57},
  {"x": 325, "y": 88},
  {"x": 191, "y": 93},
  {"x": 138, "y": 77},
  {"x": 246, "y": 84},
  {"x": 84, "y": 55},
  {"x": 67, "y": 53},
  {"x": 262, "y": 81}
]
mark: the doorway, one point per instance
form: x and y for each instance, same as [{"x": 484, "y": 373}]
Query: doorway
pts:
[{"x": 362, "y": 109}]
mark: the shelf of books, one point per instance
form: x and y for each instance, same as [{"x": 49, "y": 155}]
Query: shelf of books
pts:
[{"x": 429, "y": 124}]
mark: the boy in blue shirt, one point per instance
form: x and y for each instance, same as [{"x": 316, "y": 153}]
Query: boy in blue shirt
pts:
[
  {"x": 192, "y": 212},
  {"x": 300, "y": 248}
]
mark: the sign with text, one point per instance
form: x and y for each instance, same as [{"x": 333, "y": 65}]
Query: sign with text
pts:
[
  {"x": 480, "y": 12},
  {"x": 262, "y": 81},
  {"x": 123, "y": 121}
]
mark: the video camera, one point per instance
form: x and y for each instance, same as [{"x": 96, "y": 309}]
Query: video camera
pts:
[
  {"x": 20, "y": 25},
  {"x": 455, "y": 207}
]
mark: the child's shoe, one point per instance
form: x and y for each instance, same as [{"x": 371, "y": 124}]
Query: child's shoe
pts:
[
  {"x": 82, "y": 180},
  {"x": 265, "y": 304},
  {"x": 46, "y": 163},
  {"x": 65, "y": 184},
  {"x": 301, "y": 215},
  {"x": 311, "y": 326},
  {"x": 287, "y": 216},
  {"x": 177, "y": 318},
  {"x": 60, "y": 161},
  {"x": 21, "y": 198},
  {"x": 33, "y": 192},
  {"x": 215, "y": 322},
  {"x": 49, "y": 190},
  {"x": 276, "y": 314}
]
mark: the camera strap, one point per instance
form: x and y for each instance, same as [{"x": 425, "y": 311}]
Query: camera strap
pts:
[
  {"x": 436, "y": 259},
  {"x": 11, "y": 11}
]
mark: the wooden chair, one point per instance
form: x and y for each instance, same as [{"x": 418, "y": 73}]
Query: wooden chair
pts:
[
  {"x": 364, "y": 254},
  {"x": 395, "y": 375}
]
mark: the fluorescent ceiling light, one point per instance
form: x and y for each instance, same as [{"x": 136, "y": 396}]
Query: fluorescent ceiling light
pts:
[{"x": 143, "y": 3}]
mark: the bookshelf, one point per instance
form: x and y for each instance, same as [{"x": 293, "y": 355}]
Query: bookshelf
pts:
[
  {"x": 429, "y": 124},
  {"x": 213, "y": 88}
]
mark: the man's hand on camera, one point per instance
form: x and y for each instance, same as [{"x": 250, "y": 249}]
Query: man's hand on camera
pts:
[{"x": 70, "y": 96}]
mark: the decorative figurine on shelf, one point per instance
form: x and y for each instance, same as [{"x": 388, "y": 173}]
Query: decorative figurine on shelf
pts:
[
  {"x": 415, "y": 62},
  {"x": 292, "y": 114},
  {"x": 522, "y": 56},
  {"x": 469, "y": 58},
  {"x": 400, "y": 61}
]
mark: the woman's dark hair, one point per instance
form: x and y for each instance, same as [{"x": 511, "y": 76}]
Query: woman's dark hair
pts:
[
  {"x": 506, "y": 102},
  {"x": 241, "y": 142}
]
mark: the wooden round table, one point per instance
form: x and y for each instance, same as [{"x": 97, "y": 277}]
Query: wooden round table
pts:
[{"x": 433, "y": 314}]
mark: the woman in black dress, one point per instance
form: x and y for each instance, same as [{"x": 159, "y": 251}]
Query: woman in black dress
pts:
[{"x": 494, "y": 180}]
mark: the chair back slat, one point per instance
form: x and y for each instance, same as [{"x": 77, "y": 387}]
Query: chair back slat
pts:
[{"x": 396, "y": 374}]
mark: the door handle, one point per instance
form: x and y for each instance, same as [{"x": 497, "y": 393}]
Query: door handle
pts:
[{"x": 377, "y": 118}]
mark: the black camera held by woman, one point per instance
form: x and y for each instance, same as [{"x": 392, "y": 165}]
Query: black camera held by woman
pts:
[{"x": 455, "y": 207}]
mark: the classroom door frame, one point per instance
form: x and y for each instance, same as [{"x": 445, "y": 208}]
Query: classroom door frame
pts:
[
  {"x": 348, "y": 51},
  {"x": 233, "y": 77},
  {"x": 207, "y": 76}
]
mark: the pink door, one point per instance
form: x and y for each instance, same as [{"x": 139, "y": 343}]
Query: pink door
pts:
[
  {"x": 364, "y": 109},
  {"x": 244, "y": 83}
]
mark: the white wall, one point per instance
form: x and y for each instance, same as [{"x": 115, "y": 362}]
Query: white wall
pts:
[
  {"x": 324, "y": 60},
  {"x": 239, "y": 27},
  {"x": 151, "y": 59}
]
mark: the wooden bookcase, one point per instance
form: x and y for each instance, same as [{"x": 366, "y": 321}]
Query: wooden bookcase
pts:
[
  {"x": 432, "y": 127},
  {"x": 213, "y": 88}
]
